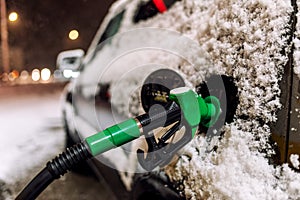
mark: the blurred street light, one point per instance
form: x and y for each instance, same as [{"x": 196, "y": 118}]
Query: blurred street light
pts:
[
  {"x": 15, "y": 74},
  {"x": 45, "y": 74},
  {"x": 13, "y": 16},
  {"x": 73, "y": 34},
  {"x": 67, "y": 73},
  {"x": 24, "y": 75},
  {"x": 35, "y": 75}
]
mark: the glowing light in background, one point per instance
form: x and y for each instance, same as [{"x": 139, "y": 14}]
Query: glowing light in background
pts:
[
  {"x": 67, "y": 73},
  {"x": 73, "y": 34},
  {"x": 75, "y": 74},
  {"x": 13, "y": 16},
  {"x": 4, "y": 77},
  {"x": 70, "y": 74},
  {"x": 11, "y": 77},
  {"x": 35, "y": 75},
  {"x": 24, "y": 75},
  {"x": 15, "y": 74},
  {"x": 45, "y": 74}
]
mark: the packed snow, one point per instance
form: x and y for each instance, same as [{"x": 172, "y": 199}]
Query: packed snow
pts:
[
  {"x": 297, "y": 44},
  {"x": 248, "y": 40},
  {"x": 294, "y": 158}
]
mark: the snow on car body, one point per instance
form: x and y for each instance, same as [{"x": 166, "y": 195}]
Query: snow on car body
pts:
[{"x": 248, "y": 40}]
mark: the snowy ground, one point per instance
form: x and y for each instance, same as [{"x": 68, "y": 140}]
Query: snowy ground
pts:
[
  {"x": 32, "y": 133},
  {"x": 30, "y": 128}
]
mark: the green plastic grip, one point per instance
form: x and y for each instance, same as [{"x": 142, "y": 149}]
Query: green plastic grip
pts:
[
  {"x": 187, "y": 99},
  {"x": 214, "y": 111},
  {"x": 113, "y": 136}
]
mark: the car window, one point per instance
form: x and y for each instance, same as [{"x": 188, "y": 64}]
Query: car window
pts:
[
  {"x": 70, "y": 60},
  {"x": 112, "y": 27}
]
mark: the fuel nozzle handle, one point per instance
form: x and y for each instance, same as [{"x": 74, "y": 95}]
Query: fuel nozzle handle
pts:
[
  {"x": 195, "y": 109},
  {"x": 184, "y": 103}
]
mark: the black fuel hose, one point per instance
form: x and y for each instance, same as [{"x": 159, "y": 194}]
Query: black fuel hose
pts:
[{"x": 55, "y": 169}]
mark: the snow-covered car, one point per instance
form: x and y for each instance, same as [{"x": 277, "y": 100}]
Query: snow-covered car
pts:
[
  {"x": 67, "y": 64},
  {"x": 188, "y": 43}
]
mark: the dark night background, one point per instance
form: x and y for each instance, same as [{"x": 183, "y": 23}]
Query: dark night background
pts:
[{"x": 42, "y": 29}]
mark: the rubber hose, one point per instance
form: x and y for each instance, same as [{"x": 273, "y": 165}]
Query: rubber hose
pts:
[{"x": 55, "y": 169}]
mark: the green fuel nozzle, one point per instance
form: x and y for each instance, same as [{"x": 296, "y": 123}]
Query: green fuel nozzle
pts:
[{"x": 184, "y": 108}]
